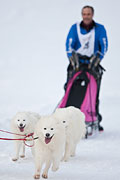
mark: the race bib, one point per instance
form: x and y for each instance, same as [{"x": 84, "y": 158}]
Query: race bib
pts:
[{"x": 86, "y": 41}]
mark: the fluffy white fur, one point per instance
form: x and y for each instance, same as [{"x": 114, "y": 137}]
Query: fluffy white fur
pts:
[
  {"x": 23, "y": 123},
  {"x": 74, "y": 122},
  {"x": 50, "y": 145}
]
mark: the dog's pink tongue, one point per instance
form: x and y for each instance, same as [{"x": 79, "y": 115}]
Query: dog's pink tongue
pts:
[
  {"x": 47, "y": 140},
  {"x": 21, "y": 129}
]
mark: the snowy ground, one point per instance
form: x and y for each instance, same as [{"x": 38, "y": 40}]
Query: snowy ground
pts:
[
  {"x": 32, "y": 73},
  {"x": 96, "y": 158}
]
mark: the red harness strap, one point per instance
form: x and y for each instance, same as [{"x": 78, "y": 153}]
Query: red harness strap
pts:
[{"x": 20, "y": 139}]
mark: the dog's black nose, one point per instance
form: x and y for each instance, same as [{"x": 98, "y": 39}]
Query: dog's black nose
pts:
[
  {"x": 47, "y": 135},
  {"x": 21, "y": 125}
]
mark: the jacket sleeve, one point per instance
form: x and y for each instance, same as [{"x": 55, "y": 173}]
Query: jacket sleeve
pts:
[
  {"x": 71, "y": 41},
  {"x": 103, "y": 42}
]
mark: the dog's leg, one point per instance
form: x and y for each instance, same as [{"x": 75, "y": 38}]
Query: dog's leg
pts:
[
  {"x": 33, "y": 151},
  {"x": 67, "y": 152},
  {"x": 38, "y": 167},
  {"x": 45, "y": 172},
  {"x": 17, "y": 150},
  {"x": 23, "y": 150},
  {"x": 73, "y": 150},
  {"x": 56, "y": 161},
  {"x": 55, "y": 166}
]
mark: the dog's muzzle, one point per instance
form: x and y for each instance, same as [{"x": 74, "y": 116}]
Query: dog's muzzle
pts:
[
  {"x": 21, "y": 127},
  {"x": 48, "y": 138}
]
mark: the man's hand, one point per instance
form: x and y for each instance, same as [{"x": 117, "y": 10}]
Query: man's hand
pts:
[
  {"x": 71, "y": 59},
  {"x": 94, "y": 61},
  {"x": 74, "y": 60}
]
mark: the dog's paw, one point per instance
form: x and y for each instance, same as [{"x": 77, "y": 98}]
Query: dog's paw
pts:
[
  {"x": 22, "y": 156},
  {"x": 36, "y": 176},
  {"x": 54, "y": 168},
  {"x": 14, "y": 159},
  {"x": 72, "y": 155},
  {"x": 44, "y": 176},
  {"x": 65, "y": 159}
]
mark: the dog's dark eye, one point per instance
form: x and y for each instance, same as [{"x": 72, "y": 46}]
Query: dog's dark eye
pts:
[
  {"x": 23, "y": 119},
  {"x": 45, "y": 128},
  {"x": 18, "y": 120},
  {"x": 64, "y": 121},
  {"x": 51, "y": 128}
]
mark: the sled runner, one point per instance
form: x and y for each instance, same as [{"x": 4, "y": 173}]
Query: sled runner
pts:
[{"x": 82, "y": 91}]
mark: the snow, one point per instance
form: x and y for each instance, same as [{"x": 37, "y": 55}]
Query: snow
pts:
[{"x": 33, "y": 66}]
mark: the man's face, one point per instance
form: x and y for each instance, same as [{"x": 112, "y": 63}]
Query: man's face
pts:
[{"x": 87, "y": 15}]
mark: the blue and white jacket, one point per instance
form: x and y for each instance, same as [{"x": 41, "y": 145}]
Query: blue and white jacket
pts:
[{"x": 86, "y": 42}]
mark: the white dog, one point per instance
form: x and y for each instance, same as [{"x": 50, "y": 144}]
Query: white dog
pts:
[
  {"x": 74, "y": 122},
  {"x": 50, "y": 145},
  {"x": 23, "y": 123}
]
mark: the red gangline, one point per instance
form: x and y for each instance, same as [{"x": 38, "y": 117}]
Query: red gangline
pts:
[{"x": 24, "y": 139}]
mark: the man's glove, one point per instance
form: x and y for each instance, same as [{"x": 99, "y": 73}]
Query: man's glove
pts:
[
  {"x": 74, "y": 60},
  {"x": 94, "y": 61}
]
